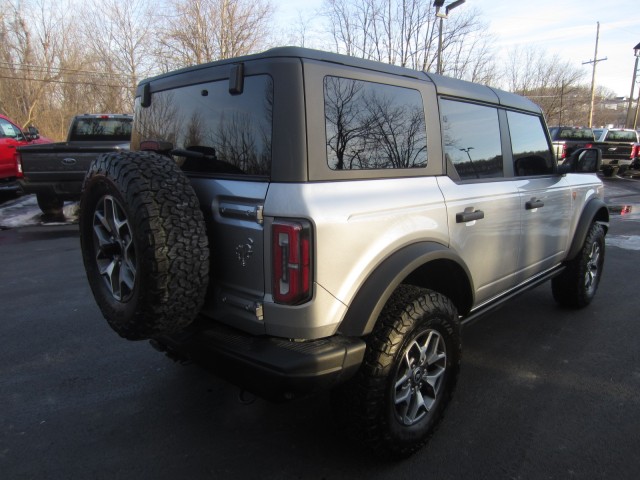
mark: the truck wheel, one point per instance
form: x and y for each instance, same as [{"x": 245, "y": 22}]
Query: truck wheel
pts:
[
  {"x": 408, "y": 375},
  {"x": 144, "y": 244},
  {"x": 577, "y": 284},
  {"x": 50, "y": 204}
]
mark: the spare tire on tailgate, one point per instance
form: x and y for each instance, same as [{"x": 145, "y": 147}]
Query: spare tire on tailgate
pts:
[{"x": 144, "y": 244}]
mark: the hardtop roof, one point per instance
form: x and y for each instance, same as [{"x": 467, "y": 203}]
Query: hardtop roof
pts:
[{"x": 444, "y": 85}]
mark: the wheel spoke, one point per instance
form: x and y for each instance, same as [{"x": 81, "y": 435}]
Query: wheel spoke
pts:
[
  {"x": 419, "y": 377},
  {"x": 592, "y": 269},
  {"x": 416, "y": 409},
  {"x": 114, "y": 247},
  {"x": 433, "y": 379}
]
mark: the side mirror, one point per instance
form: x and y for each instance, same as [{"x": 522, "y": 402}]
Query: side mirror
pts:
[
  {"x": 32, "y": 133},
  {"x": 583, "y": 160}
]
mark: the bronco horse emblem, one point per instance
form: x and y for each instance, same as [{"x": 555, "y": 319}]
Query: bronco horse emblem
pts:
[{"x": 244, "y": 251}]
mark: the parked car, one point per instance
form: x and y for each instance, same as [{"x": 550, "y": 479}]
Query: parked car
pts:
[
  {"x": 301, "y": 221},
  {"x": 567, "y": 140},
  {"x": 12, "y": 137},
  {"x": 55, "y": 172},
  {"x": 616, "y": 145}
]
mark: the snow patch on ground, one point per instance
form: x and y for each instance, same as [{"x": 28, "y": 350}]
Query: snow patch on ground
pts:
[
  {"x": 24, "y": 211},
  {"x": 628, "y": 242}
]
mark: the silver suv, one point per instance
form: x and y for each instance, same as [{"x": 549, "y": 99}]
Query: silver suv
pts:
[{"x": 301, "y": 221}]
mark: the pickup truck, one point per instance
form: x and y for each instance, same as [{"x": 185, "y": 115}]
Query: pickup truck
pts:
[
  {"x": 12, "y": 137},
  {"x": 617, "y": 149},
  {"x": 55, "y": 172},
  {"x": 567, "y": 140}
]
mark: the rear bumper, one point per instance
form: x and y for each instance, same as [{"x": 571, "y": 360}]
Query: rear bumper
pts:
[
  {"x": 66, "y": 190},
  {"x": 271, "y": 367},
  {"x": 616, "y": 161},
  {"x": 9, "y": 185}
]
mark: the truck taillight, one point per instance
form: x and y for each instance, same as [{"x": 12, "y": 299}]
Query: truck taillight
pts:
[
  {"x": 589, "y": 145},
  {"x": 291, "y": 262},
  {"x": 563, "y": 154},
  {"x": 635, "y": 151},
  {"x": 19, "y": 172}
]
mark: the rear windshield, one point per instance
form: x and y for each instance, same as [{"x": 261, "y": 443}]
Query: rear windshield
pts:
[
  {"x": 621, "y": 136},
  {"x": 101, "y": 129},
  {"x": 232, "y": 132},
  {"x": 575, "y": 134}
]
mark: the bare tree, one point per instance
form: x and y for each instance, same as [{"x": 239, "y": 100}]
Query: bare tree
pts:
[
  {"x": 405, "y": 33},
  {"x": 32, "y": 49},
  {"x": 547, "y": 80},
  {"x": 199, "y": 31},
  {"x": 120, "y": 38}
]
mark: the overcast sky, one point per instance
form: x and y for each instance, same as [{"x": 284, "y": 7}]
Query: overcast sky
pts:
[{"x": 565, "y": 27}]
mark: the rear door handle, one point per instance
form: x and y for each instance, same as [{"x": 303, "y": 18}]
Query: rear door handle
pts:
[
  {"x": 534, "y": 203},
  {"x": 464, "y": 217}
]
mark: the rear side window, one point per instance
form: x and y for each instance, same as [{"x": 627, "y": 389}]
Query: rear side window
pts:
[
  {"x": 472, "y": 143},
  {"x": 232, "y": 131},
  {"x": 373, "y": 126},
  {"x": 531, "y": 152}
]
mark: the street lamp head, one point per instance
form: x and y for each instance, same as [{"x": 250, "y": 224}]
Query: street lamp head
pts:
[
  {"x": 438, "y": 3},
  {"x": 636, "y": 50},
  {"x": 453, "y": 5}
]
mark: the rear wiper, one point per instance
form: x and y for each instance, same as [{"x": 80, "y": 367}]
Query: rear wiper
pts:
[{"x": 179, "y": 152}]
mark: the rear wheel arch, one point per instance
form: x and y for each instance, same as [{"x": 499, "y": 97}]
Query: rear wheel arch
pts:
[{"x": 426, "y": 264}]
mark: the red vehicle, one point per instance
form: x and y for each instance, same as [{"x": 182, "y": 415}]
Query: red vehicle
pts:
[{"x": 12, "y": 137}]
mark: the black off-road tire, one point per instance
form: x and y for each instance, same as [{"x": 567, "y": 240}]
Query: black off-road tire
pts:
[
  {"x": 50, "y": 204},
  {"x": 370, "y": 404},
  {"x": 144, "y": 244},
  {"x": 577, "y": 285}
]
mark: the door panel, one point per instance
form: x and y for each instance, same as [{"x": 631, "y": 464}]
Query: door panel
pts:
[
  {"x": 545, "y": 204},
  {"x": 489, "y": 245}
]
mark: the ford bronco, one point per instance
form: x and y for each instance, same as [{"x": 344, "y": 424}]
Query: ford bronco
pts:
[{"x": 301, "y": 221}]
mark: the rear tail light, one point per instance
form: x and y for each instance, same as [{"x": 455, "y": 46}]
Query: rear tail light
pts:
[
  {"x": 19, "y": 172},
  {"x": 563, "y": 154},
  {"x": 291, "y": 262},
  {"x": 588, "y": 145},
  {"x": 635, "y": 151}
]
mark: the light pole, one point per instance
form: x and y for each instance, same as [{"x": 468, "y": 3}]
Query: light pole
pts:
[
  {"x": 630, "y": 123},
  {"x": 438, "y": 4}
]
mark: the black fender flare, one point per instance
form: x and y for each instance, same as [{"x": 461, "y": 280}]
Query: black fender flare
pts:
[
  {"x": 594, "y": 211},
  {"x": 368, "y": 302}
]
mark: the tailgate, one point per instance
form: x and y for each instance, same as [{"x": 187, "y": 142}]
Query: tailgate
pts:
[
  {"x": 60, "y": 162},
  {"x": 233, "y": 214}
]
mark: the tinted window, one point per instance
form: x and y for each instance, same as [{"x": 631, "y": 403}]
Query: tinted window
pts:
[
  {"x": 471, "y": 139},
  {"x": 531, "y": 153},
  {"x": 621, "y": 136},
  {"x": 232, "y": 131},
  {"x": 101, "y": 129},
  {"x": 8, "y": 129},
  {"x": 572, "y": 134},
  {"x": 373, "y": 126}
]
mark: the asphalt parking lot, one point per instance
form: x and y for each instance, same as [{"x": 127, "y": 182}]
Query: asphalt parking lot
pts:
[{"x": 544, "y": 393}]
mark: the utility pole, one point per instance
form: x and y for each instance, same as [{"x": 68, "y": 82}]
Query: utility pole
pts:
[{"x": 593, "y": 75}]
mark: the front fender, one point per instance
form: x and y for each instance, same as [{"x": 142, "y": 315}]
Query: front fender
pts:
[{"x": 594, "y": 211}]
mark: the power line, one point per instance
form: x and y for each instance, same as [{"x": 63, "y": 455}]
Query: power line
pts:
[
  {"x": 64, "y": 82},
  {"x": 25, "y": 66}
]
